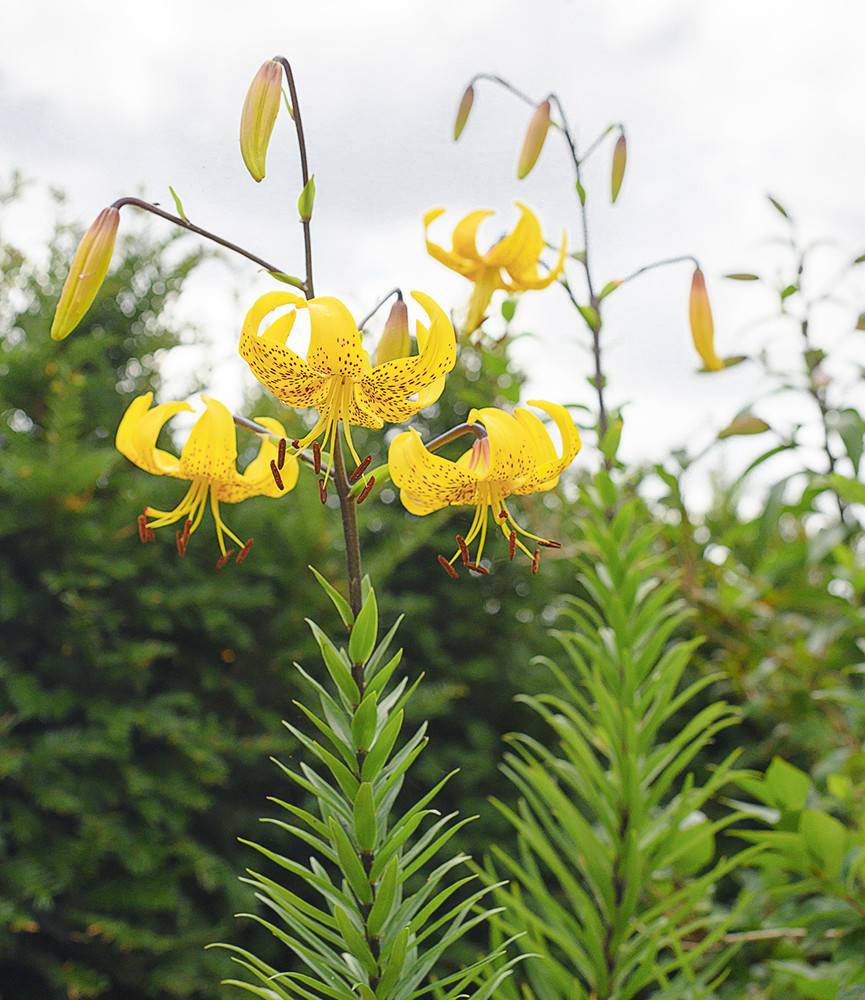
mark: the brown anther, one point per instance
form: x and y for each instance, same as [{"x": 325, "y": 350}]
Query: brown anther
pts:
[
  {"x": 446, "y": 566},
  {"x": 277, "y": 478},
  {"x": 365, "y": 492},
  {"x": 316, "y": 456},
  {"x": 464, "y": 550},
  {"x": 222, "y": 560},
  {"x": 187, "y": 531},
  {"x": 295, "y": 444},
  {"x": 142, "y": 528},
  {"x": 280, "y": 455},
  {"x": 536, "y": 562},
  {"x": 181, "y": 544},
  {"x": 477, "y": 568},
  {"x": 512, "y": 545},
  {"x": 503, "y": 515},
  {"x": 322, "y": 491},
  {"x": 548, "y": 543},
  {"x": 244, "y": 552},
  {"x": 149, "y": 535},
  {"x": 360, "y": 470}
]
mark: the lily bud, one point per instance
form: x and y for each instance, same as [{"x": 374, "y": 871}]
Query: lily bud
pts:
[
  {"x": 534, "y": 140},
  {"x": 702, "y": 324},
  {"x": 395, "y": 341},
  {"x": 620, "y": 159},
  {"x": 86, "y": 273},
  {"x": 259, "y": 116},
  {"x": 306, "y": 200},
  {"x": 466, "y": 102}
]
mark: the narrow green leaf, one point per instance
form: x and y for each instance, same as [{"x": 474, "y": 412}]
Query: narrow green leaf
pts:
[
  {"x": 363, "y": 725},
  {"x": 384, "y": 897},
  {"x": 350, "y": 863},
  {"x": 365, "y": 825},
  {"x": 364, "y": 631},
  {"x": 340, "y": 603}
]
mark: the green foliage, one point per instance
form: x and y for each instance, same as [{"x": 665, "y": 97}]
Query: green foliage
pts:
[
  {"x": 386, "y": 907},
  {"x": 616, "y": 867}
]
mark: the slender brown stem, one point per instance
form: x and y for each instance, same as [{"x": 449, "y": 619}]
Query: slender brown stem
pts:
[
  {"x": 192, "y": 228},
  {"x": 347, "y": 505},
  {"x": 394, "y": 291},
  {"x": 304, "y": 167}
]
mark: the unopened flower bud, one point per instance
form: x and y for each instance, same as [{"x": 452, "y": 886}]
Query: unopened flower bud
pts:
[
  {"x": 620, "y": 159},
  {"x": 534, "y": 140},
  {"x": 465, "y": 107},
  {"x": 395, "y": 341},
  {"x": 86, "y": 274},
  {"x": 702, "y": 324},
  {"x": 259, "y": 116}
]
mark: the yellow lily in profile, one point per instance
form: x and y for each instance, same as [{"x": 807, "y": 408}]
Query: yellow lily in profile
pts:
[
  {"x": 515, "y": 457},
  {"x": 510, "y": 264},
  {"x": 337, "y": 377},
  {"x": 209, "y": 462}
]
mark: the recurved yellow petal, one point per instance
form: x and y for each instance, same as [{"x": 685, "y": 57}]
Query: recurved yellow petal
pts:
[
  {"x": 86, "y": 273},
  {"x": 334, "y": 342},
  {"x": 279, "y": 369},
  {"x": 702, "y": 324},
  {"x": 257, "y": 479},
  {"x": 547, "y": 473},
  {"x": 467, "y": 268},
  {"x": 386, "y": 391},
  {"x": 426, "y": 481},
  {"x": 260, "y": 109},
  {"x": 139, "y": 430},
  {"x": 211, "y": 448}
]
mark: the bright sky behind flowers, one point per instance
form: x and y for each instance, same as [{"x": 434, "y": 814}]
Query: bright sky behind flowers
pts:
[{"x": 722, "y": 101}]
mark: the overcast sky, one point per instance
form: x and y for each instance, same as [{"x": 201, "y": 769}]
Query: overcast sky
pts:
[{"x": 722, "y": 101}]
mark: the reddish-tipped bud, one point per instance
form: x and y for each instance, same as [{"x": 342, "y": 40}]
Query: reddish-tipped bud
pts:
[
  {"x": 702, "y": 324},
  {"x": 620, "y": 161},
  {"x": 466, "y": 102},
  {"x": 395, "y": 341},
  {"x": 533, "y": 143},
  {"x": 259, "y": 116},
  {"x": 86, "y": 273},
  {"x": 446, "y": 566}
]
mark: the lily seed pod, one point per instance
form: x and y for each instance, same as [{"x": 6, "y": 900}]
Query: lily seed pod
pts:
[
  {"x": 534, "y": 140},
  {"x": 466, "y": 102},
  {"x": 259, "y": 116},
  {"x": 702, "y": 324},
  {"x": 620, "y": 160},
  {"x": 395, "y": 341},
  {"x": 86, "y": 273}
]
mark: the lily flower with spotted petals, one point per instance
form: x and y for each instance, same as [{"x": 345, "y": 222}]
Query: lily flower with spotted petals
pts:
[
  {"x": 208, "y": 462},
  {"x": 337, "y": 377},
  {"x": 510, "y": 264},
  {"x": 516, "y": 457}
]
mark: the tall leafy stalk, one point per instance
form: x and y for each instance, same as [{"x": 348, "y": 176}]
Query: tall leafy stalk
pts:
[{"x": 614, "y": 865}]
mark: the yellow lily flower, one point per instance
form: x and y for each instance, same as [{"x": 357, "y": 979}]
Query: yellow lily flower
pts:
[
  {"x": 516, "y": 457},
  {"x": 208, "y": 461},
  {"x": 510, "y": 264},
  {"x": 337, "y": 377}
]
